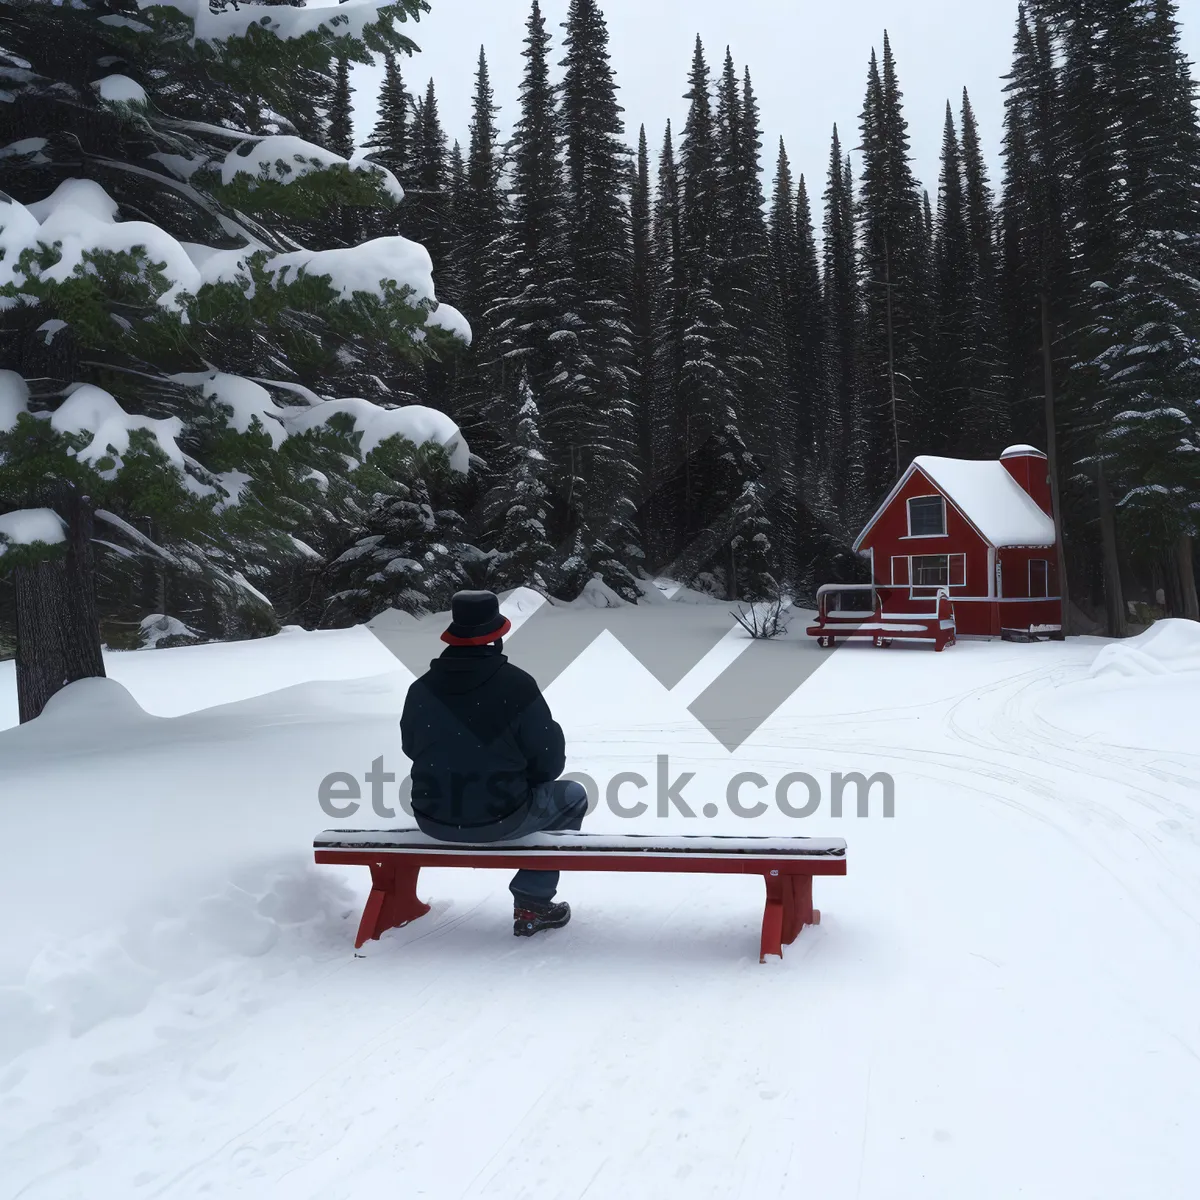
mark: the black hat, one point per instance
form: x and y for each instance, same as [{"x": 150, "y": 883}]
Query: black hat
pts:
[{"x": 476, "y": 620}]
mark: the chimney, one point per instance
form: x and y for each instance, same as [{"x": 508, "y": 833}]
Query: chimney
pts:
[{"x": 1029, "y": 468}]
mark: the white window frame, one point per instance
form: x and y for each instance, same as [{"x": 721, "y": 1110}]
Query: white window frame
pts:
[
  {"x": 908, "y": 516},
  {"x": 923, "y": 591},
  {"x": 962, "y": 557}
]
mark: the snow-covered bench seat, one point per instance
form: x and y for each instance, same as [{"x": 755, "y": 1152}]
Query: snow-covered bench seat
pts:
[{"x": 787, "y": 865}]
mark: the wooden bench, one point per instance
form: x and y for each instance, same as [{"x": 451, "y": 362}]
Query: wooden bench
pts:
[
  {"x": 879, "y": 623},
  {"x": 396, "y": 857}
]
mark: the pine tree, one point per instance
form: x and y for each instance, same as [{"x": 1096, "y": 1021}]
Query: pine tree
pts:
[
  {"x": 896, "y": 287},
  {"x": 785, "y": 271},
  {"x": 953, "y": 348},
  {"x": 134, "y": 343},
  {"x": 843, "y": 498},
  {"x": 602, "y": 481},
  {"x": 391, "y": 140},
  {"x": 408, "y": 553},
  {"x": 809, "y": 317},
  {"x": 530, "y": 317},
  {"x": 799, "y": 310},
  {"x": 642, "y": 326},
  {"x": 709, "y": 481},
  {"x": 340, "y": 137},
  {"x": 1149, "y": 362},
  {"x": 478, "y": 209},
  {"x": 519, "y": 506},
  {"x": 427, "y": 197},
  {"x": 986, "y": 423},
  {"x": 668, "y": 306}
]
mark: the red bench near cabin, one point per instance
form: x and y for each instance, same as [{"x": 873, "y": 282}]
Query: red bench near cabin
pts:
[
  {"x": 396, "y": 857},
  {"x": 861, "y": 610}
]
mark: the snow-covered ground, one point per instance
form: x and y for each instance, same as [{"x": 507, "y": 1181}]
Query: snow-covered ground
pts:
[{"x": 1000, "y": 1000}]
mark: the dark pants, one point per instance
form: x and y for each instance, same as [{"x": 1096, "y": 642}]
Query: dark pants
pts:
[{"x": 554, "y": 807}]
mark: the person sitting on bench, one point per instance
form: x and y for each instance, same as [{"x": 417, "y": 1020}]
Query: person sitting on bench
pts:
[{"x": 487, "y": 754}]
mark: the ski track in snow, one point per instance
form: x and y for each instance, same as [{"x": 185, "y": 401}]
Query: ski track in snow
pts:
[{"x": 1000, "y": 999}]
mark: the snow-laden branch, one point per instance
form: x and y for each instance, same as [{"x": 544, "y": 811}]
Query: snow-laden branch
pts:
[{"x": 343, "y": 20}]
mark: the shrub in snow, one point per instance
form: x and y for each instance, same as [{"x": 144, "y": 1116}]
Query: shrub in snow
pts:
[{"x": 159, "y": 630}]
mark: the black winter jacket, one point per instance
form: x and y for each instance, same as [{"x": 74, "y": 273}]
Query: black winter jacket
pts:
[{"x": 480, "y": 736}]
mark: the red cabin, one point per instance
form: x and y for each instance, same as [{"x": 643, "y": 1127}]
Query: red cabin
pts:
[{"x": 983, "y": 531}]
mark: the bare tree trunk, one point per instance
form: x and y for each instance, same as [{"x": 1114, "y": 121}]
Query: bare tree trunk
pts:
[
  {"x": 58, "y": 635},
  {"x": 1064, "y": 590},
  {"x": 1184, "y": 561},
  {"x": 1114, "y": 593}
]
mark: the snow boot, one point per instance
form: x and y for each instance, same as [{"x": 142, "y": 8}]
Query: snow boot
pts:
[{"x": 532, "y": 916}]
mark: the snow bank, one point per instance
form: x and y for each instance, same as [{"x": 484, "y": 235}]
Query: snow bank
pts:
[
  {"x": 1166, "y": 648},
  {"x": 30, "y": 526},
  {"x": 171, "y": 881},
  {"x": 597, "y": 594},
  {"x": 184, "y": 679},
  {"x": 14, "y": 397},
  {"x": 285, "y": 158}
]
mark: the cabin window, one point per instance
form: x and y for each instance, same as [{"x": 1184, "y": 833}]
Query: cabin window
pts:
[
  {"x": 931, "y": 570},
  {"x": 926, "y": 516},
  {"x": 853, "y": 602},
  {"x": 1039, "y": 578}
]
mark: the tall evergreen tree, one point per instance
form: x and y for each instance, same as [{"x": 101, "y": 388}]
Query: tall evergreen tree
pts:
[
  {"x": 799, "y": 311},
  {"x": 809, "y": 317},
  {"x": 986, "y": 423},
  {"x": 529, "y": 316},
  {"x": 340, "y": 137},
  {"x": 896, "y": 286},
  {"x": 533, "y": 322},
  {"x": 162, "y": 360},
  {"x": 717, "y": 464},
  {"x": 1148, "y": 336},
  {"x": 669, "y": 295},
  {"x": 953, "y": 348},
  {"x": 519, "y": 505},
  {"x": 602, "y": 483},
  {"x": 427, "y": 197},
  {"x": 642, "y": 326},
  {"x": 785, "y": 271},
  {"x": 844, "y": 498},
  {"x": 390, "y": 143},
  {"x": 480, "y": 209},
  {"x": 478, "y": 224}
]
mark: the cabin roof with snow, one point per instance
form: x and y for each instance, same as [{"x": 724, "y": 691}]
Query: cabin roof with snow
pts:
[{"x": 986, "y": 495}]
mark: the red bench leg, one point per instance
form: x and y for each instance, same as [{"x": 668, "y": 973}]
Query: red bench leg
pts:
[
  {"x": 772, "y": 927},
  {"x": 393, "y": 901},
  {"x": 789, "y": 908}
]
